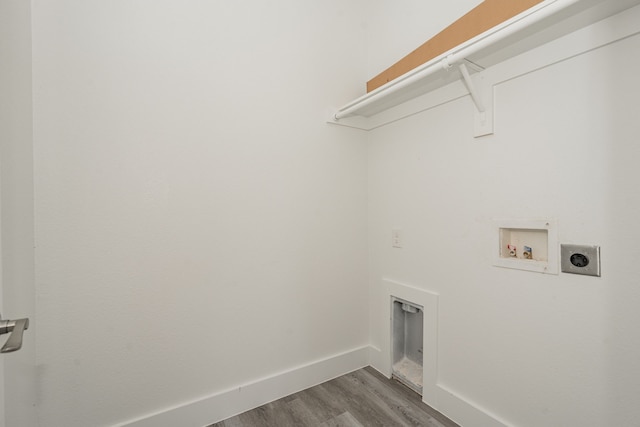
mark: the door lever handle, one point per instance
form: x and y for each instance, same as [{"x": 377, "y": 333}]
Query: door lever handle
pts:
[{"x": 16, "y": 328}]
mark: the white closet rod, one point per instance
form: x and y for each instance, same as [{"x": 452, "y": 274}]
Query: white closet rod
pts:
[{"x": 448, "y": 59}]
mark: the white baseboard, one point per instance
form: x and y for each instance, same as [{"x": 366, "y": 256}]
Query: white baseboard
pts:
[
  {"x": 464, "y": 411},
  {"x": 377, "y": 362},
  {"x": 225, "y": 404},
  {"x": 222, "y": 405},
  {"x": 451, "y": 404}
]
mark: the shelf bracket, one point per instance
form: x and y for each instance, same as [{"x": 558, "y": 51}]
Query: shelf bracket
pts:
[
  {"x": 472, "y": 88},
  {"x": 483, "y": 122}
]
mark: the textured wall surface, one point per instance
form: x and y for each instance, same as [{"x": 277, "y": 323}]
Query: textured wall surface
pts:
[
  {"x": 198, "y": 225},
  {"x": 16, "y": 190},
  {"x": 532, "y": 349}
]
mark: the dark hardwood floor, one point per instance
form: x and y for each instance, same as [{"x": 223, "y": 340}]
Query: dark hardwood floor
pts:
[{"x": 362, "y": 398}]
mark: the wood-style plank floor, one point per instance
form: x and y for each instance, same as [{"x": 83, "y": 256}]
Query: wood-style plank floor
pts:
[{"x": 360, "y": 399}]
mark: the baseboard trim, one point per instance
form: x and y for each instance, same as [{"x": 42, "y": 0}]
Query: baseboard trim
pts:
[
  {"x": 464, "y": 411},
  {"x": 219, "y": 406},
  {"x": 225, "y": 404},
  {"x": 449, "y": 403}
]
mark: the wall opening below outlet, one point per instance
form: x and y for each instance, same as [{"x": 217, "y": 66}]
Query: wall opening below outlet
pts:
[{"x": 407, "y": 343}]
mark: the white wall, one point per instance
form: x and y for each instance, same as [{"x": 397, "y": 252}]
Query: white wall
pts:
[
  {"x": 530, "y": 349},
  {"x": 196, "y": 219},
  {"x": 198, "y": 225},
  {"x": 16, "y": 178}
]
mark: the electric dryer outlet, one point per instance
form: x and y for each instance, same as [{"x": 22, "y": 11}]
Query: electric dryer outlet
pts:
[{"x": 580, "y": 259}]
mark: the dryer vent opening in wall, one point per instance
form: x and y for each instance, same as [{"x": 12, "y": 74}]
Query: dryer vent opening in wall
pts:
[{"x": 406, "y": 338}]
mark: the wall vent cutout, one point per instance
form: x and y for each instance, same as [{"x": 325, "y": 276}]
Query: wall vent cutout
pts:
[{"x": 407, "y": 343}]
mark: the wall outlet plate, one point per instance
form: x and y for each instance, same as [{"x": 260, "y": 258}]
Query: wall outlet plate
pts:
[{"x": 580, "y": 259}]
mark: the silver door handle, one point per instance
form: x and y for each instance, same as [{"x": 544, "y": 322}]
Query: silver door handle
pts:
[{"x": 16, "y": 328}]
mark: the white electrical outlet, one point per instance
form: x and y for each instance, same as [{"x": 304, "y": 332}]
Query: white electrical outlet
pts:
[{"x": 396, "y": 238}]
